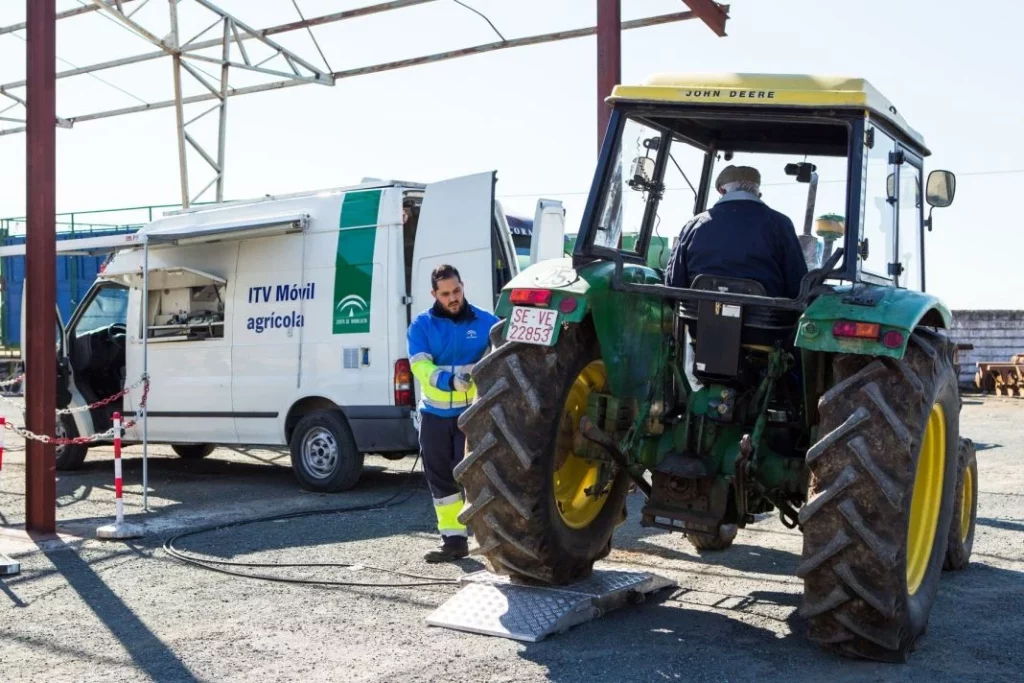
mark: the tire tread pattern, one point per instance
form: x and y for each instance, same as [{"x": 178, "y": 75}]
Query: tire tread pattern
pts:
[
  {"x": 507, "y": 470},
  {"x": 861, "y": 478}
]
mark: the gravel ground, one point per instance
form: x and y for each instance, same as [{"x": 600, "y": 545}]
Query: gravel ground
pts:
[{"x": 85, "y": 610}]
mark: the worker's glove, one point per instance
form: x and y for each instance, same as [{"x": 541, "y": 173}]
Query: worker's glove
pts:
[{"x": 462, "y": 382}]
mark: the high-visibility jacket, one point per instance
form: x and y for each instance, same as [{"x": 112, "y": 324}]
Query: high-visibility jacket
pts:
[{"x": 441, "y": 347}]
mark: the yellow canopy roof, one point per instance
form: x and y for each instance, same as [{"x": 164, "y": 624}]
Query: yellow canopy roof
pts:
[{"x": 782, "y": 90}]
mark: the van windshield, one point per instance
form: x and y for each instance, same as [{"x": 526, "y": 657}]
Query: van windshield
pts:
[{"x": 108, "y": 307}]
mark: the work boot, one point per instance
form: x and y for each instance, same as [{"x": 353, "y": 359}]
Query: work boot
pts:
[{"x": 452, "y": 548}]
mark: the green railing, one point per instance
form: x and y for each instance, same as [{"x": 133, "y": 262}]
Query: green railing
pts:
[{"x": 96, "y": 220}]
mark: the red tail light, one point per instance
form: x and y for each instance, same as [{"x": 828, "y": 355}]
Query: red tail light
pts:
[
  {"x": 531, "y": 297},
  {"x": 847, "y": 328},
  {"x": 403, "y": 384}
]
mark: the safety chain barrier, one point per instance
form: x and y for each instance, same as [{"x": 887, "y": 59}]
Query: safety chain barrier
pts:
[
  {"x": 143, "y": 382},
  {"x": 101, "y": 436}
]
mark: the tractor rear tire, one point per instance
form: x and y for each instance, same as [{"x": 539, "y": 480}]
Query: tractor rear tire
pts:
[
  {"x": 720, "y": 541},
  {"x": 882, "y": 484},
  {"x": 508, "y": 471},
  {"x": 965, "y": 509}
]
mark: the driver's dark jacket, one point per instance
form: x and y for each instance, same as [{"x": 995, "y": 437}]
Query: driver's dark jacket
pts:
[{"x": 740, "y": 237}]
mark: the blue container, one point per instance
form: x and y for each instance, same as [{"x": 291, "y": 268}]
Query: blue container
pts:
[{"x": 75, "y": 275}]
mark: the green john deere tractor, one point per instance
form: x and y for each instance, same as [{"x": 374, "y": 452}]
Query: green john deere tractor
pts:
[{"x": 837, "y": 409}]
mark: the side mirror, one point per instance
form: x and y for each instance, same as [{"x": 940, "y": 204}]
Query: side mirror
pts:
[
  {"x": 641, "y": 173},
  {"x": 802, "y": 171},
  {"x": 941, "y": 188}
]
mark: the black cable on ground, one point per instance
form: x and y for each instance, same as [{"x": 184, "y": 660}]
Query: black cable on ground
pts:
[{"x": 220, "y": 566}]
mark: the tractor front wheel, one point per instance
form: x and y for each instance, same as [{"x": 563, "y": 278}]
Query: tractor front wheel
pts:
[
  {"x": 539, "y": 511},
  {"x": 720, "y": 541},
  {"x": 883, "y": 478}
]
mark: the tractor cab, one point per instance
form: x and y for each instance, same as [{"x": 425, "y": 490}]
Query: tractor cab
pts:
[
  {"x": 834, "y": 157},
  {"x": 795, "y": 363}
]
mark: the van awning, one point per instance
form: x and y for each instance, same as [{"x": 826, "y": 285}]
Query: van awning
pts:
[
  {"x": 164, "y": 277},
  {"x": 266, "y": 226}
]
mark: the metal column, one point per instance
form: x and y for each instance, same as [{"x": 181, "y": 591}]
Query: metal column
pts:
[
  {"x": 40, "y": 263},
  {"x": 609, "y": 59}
]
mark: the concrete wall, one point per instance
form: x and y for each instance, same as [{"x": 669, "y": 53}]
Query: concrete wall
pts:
[{"x": 996, "y": 335}]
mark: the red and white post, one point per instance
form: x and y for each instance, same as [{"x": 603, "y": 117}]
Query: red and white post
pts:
[
  {"x": 119, "y": 529},
  {"x": 118, "y": 482},
  {"x": 8, "y": 567}
]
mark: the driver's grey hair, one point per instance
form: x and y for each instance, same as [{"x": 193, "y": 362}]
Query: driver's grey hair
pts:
[{"x": 742, "y": 186}]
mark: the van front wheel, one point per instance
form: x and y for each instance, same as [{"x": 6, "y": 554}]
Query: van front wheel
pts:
[
  {"x": 324, "y": 453},
  {"x": 193, "y": 451}
]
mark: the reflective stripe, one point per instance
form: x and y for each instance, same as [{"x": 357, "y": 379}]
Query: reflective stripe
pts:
[
  {"x": 448, "y": 500},
  {"x": 439, "y": 398},
  {"x": 434, "y": 375},
  {"x": 448, "y": 517},
  {"x": 421, "y": 357}
]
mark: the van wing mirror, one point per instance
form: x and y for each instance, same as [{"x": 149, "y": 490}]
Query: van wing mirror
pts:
[{"x": 941, "y": 189}]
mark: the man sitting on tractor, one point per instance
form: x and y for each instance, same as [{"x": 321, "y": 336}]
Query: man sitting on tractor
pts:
[{"x": 740, "y": 237}]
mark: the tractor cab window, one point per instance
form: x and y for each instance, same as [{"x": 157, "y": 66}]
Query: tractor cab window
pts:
[
  {"x": 622, "y": 207},
  {"x": 652, "y": 181},
  {"x": 877, "y": 242},
  {"x": 809, "y": 189},
  {"x": 911, "y": 248},
  {"x": 662, "y": 170}
]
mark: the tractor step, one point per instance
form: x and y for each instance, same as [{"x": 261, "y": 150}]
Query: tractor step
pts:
[{"x": 493, "y": 605}]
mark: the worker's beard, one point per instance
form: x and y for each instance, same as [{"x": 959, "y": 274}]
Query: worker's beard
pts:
[{"x": 448, "y": 311}]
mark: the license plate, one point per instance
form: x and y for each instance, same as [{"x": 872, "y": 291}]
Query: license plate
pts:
[{"x": 532, "y": 326}]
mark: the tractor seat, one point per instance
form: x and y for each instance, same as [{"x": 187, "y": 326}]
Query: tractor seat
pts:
[{"x": 762, "y": 325}]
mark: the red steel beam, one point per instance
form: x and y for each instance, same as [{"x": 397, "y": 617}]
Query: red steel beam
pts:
[
  {"x": 711, "y": 13},
  {"x": 40, "y": 264},
  {"x": 609, "y": 59},
  {"x": 67, "y": 14}
]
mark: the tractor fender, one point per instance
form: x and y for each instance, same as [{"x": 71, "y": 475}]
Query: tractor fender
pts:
[
  {"x": 892, "y": 309},
  {"x": 555, "y": 275}
]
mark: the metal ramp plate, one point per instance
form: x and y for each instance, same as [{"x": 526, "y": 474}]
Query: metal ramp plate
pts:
[{"x": 494, "y": 605}]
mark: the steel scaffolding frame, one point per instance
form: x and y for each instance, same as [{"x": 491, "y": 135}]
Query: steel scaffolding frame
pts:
[{"x": 293, "y": 70}]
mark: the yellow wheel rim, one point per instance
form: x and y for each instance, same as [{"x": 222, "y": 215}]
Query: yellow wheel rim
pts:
[
  {"x": 966, "y": 503},
  {"x": 927, "y": 499},
  {"x": 573, "y": 474}
]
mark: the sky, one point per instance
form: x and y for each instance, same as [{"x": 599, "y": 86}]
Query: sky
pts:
[{"x": 530, "y": 113}]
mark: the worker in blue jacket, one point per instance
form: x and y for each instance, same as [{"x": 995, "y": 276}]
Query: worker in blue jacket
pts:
[{"x": 445, "y": 342}]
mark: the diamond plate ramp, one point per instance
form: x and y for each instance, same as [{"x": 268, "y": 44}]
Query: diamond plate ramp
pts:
[{"x": 493, "y": 605}]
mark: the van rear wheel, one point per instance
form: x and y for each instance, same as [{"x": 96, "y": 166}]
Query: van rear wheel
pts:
[
  {"x": 70, "y": 456},
  {"x": 325, "y": 458},
  {"x": 193, "y": 451}
]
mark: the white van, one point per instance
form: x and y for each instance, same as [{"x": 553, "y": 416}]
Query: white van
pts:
[{"x": 282, "y": 321}]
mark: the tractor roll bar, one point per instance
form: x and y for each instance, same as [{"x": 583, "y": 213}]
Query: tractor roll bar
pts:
[{"x": 808, "y": 286}]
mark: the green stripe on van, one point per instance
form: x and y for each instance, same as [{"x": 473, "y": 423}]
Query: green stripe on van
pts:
[{"x": 353, "y": 267}]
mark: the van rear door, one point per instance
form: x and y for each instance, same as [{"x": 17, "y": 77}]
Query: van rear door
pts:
[{"x": 459, "y": 225}]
